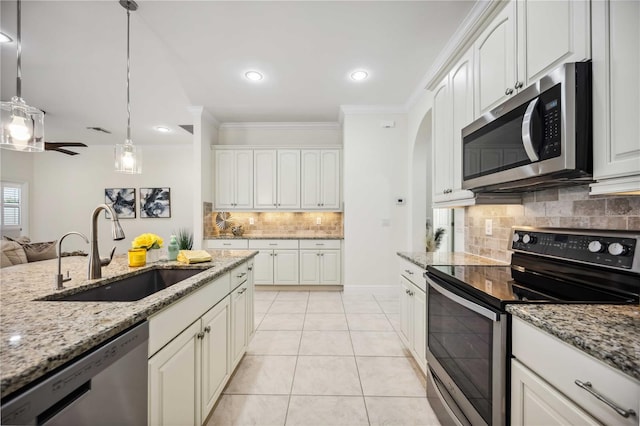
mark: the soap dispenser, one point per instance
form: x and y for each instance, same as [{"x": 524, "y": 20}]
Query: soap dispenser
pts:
[{"x": 173, "y": 248}]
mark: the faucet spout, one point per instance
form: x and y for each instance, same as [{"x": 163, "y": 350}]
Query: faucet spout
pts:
[
  {"x": 95, "y": 263},
  {"x": 59, "y": 278}
]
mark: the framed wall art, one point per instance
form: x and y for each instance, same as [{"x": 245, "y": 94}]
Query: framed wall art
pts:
[
  {"x": 155, "y": 202},
  {"x": 123, "y": 201}
]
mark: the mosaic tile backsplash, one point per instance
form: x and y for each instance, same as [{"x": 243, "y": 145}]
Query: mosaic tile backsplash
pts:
[
  {"x": 561, "y": 208},
  {"x": 281, "y": 223}
]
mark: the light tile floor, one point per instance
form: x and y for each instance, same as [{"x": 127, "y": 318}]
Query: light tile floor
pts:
[{"x": 325, "y": 359}]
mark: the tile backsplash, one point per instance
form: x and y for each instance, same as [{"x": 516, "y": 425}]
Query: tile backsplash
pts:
[
  {"x": 561, "y": 208},
  {"x": 281, "y": 223}
]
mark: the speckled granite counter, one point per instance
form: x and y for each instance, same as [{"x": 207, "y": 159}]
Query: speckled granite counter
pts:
[
  {"x": 39, "y": 336},
  {"x": 424, "y": 259},
  {"x": 610, "y": 333},
  {"x": 296, "y": 236}
]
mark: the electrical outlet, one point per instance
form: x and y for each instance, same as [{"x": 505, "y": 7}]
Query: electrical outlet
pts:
[
  {"x": 488, "y": 227},
  {"x": 251, "y": 221},
  {"x": 318, "y": 221},
  {"x": 488, "y": 285}
]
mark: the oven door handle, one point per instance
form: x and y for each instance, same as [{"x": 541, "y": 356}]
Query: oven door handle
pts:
[
  {"x": 493, "y": 316},
  {"x": 527, "y": 125}
]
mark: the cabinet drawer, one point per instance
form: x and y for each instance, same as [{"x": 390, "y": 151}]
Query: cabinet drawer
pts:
[
  {"x": 227, "y": 244},
  {"x": 532, "y": 347},
  {"x": 413, "y": 273},
  {"x": 169, "y": 322},
  {"x": 238, "y": 275},
  {"x": 319, "y": 244},
  {"x": 273, "y": 244}
]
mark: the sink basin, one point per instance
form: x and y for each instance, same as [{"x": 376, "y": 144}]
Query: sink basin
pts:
[{"x": 132, "y": 288}]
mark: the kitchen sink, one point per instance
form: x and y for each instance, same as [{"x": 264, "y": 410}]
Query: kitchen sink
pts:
[{"x": 130, "y": 288}]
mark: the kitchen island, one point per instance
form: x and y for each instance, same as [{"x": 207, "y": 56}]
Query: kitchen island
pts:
[{"x": 37, "y": 336}]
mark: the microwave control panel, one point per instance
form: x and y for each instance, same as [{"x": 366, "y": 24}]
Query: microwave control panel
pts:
[{"x": 550, "y": 110}]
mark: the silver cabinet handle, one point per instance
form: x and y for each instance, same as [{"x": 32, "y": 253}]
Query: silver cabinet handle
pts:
[
  {"x": 226, "y": 244},
  {"x": 408, "y": 272},
  {"x": 518, "y": 85},
  {"x": 589, "y": 388},
  {"x": 242, "y": 290},
  {"x": 406, "y": 291},
  {"x": 273, "y": 244},
  {"x": 200, "y": 335},
  {"x": 241, "y": 275},
  {"x": 317, "y": 254},
  {"x": 527, "y": 124},
  {"x": 275, "y": 254},
  {"x": 508, "y": 91},
  {"x": 319, "y": 244},
  {"x": 250, "y": 268},
  {"x": 207, "y": 329}
]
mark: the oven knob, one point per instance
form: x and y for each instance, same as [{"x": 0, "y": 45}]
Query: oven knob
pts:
[
  {"x": 596, "y": 247},
  {"x": 516, "y": 237},
  {"x": 617, "y": 249},
  {"x": 528, "y": 239}
]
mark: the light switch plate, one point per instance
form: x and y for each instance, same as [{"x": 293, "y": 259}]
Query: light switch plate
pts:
[
  {"x": 318, "y": 220},
  {"x": 488, "y": 227},
  {"x": 251, "y": 221}
]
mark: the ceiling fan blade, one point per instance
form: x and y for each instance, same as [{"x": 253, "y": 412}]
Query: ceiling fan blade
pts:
[
  {"x": 62, "y": 150},
  {"x": 52, "y": 145}
]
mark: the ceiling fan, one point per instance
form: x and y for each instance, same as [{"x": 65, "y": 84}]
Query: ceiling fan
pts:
[{"x": 58, "y": 146}]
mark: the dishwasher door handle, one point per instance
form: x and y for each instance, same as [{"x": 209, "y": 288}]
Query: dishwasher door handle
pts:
[{"x": 65, "y": 403}]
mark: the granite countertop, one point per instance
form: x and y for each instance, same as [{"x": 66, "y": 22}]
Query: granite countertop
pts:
[
  {"x": 38, "y": 336},
  {"x": 296, "y": 236},
  {"x": 610, "y": 333},
  {"x": 424, "y": 259}
]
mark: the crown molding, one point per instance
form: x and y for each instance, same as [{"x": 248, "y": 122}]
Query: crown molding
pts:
[{"x": 283, "y": 125}]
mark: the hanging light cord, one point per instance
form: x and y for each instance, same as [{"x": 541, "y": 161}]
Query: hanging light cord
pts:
[
  {"x": 19, "y": 50},
  {"x": 128, "y": 77}
]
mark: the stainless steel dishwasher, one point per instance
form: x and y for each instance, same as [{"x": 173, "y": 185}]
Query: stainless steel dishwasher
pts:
[{"x": 105, "y": 386}]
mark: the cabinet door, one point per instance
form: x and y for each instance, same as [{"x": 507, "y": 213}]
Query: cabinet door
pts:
[
  {"x": 224, "y": 179},
  {"x": 551, "y": 33},
  {"x": 285, "y": 267},
  {"x": 174, "y": 381},
  {"x": 309, "y": 267},
  {"x": 238, "y": 324},
  {"x": 330, "y": 271},
  {"x": 419, "y": 327},
  {"x": 263, "y": 267},
  {"x": 406, "y": 312},
  {"x": 441, "y": 166},
  {"x": 310, "y": 197},
  {"x": 243, "y": 179},
  {"x": 265, "y": 178},
  {"x": 251, "y": 324},
  {"x": 535, "y": 402},
  {"x": 216, "y": 366},
  {"x": 288, "y": 192},
  {"x": 616, "y": 95},
  {"x": 330, "y": 179},
  {"x": 495, "y": 61}
]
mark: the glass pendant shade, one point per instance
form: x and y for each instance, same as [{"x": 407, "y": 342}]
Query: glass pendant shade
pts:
[
  {"x": 128, "y": 158},
  {"x": 22, "y": 126}
]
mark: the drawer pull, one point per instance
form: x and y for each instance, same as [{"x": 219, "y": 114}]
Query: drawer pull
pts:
[
  {"x": 408, "y": 272},
  {"x": 226, "y": 244},
  {"x": 207, "y": 329},
  {"x": 242, "y": 290},
  {"x": 319, "y": 244},
  {"x": 273, "y": 244},
  {"x": 241, "y": 275},
  {"x": 200, "y": 335},
  {"x": 589, "y": 388}
]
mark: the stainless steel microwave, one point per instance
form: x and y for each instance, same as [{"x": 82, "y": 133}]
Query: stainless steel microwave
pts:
[{"x": 539, "y": 138}]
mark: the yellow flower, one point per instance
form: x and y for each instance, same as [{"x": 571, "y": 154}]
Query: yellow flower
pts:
[{"x": 147, "y": 241}]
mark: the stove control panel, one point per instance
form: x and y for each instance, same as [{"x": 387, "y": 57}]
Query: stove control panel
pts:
[{"x": 606, "y": 248}]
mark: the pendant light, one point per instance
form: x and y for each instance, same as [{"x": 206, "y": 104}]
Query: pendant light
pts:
[
  {"x": 128, "y": 157},
  {"x": 22, "y": 125}
]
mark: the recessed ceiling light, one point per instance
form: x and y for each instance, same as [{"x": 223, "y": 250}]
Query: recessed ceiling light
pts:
[
  {"x": 253, "y": 75},
  {"x": 359, "y": 75},
  {"x": 162, "y": 129},
  {"x": 5, "y": 38}
]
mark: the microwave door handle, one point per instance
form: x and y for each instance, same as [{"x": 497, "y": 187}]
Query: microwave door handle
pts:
[{"x": 527, "y": 125}]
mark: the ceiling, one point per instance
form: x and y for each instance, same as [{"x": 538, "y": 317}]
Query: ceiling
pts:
[{"x": 195, "y": 53}]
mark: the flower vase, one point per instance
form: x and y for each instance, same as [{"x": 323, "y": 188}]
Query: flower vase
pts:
[{"x": 153, "y": 255}]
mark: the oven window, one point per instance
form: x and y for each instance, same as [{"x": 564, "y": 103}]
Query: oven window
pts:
[{"x": 461, "y": 341}]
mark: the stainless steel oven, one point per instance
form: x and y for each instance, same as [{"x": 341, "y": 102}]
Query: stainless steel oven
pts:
[{"x": 468, "y": 328}]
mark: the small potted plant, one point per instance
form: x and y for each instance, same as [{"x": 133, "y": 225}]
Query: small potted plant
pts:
[
  {"x": 151, "y": 243},
  {"x": 185, "y": 239}
]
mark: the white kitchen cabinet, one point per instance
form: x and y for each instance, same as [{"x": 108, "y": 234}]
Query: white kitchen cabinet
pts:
[
  {"x": 545, "y": 389},
  {"x": 276, "y": 179},
  {"x": 320, "y": 262},
  {"x": 452, "y": 110},
  {"x": 239, "y": 335},
  {"x": 216, "y": 365},
  {"x": 526, "y": 40},
  {"x": 276, "y": 262},
  {"x": 320, "y": 179},
  {"x": 616, "y": 96},
  {"x": 251, "y": 325},
  {"x": 285, "y": 267},
  {"x": 263, "y": 267},
  {"x": 413, "y": 311},
  {"x": 228, "y": 244},
  {"x": 233, "y": 179}
]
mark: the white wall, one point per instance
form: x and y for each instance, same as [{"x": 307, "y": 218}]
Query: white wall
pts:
[
  {"x": 280, "y": 134},
  {"x": 375, "y": 173},
  {"x": 66, "y": 189}
]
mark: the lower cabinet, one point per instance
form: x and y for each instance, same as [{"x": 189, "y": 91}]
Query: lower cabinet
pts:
[
  {"x": 413, "y": 312},
  {"x": 188, "y": 371},
  {"x": 320, "y": 267},
  {"x": 276, "y": 263}
]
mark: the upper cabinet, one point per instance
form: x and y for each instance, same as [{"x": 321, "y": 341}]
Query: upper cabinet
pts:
[
  {"x": 276, "y": 179},
  {"x": 320, "y": 179},
  {"x": 525, "y": 41},
  {"x": 452, "y": 110},
  {"x": 616, "y": 96},
  {"x": 233, "y": 179}
]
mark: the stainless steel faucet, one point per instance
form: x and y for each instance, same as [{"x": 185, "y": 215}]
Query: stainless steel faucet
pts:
[
  {"x": 95, "y": 263},
  {"x": 59, "y": 278}
]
